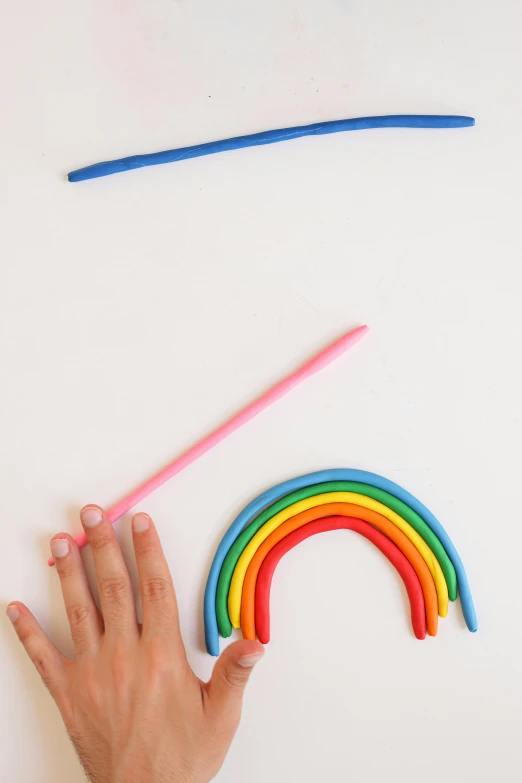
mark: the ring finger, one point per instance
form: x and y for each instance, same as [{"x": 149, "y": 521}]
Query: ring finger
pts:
[{"x": 84, "y": 618}]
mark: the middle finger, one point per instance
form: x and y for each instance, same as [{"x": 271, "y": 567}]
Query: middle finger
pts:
[{"x": 116, "y": 597}]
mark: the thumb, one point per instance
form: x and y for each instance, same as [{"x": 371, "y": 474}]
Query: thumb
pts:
[{"x": 231, "y": 674}]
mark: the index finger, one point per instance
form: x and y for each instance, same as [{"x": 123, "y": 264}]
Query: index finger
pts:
[{"x": 160, "y": 609}]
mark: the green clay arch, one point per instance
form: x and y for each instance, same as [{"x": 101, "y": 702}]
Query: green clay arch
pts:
[{"x": 401, "y": 508}]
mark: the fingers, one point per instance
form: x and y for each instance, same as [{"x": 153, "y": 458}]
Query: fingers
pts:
[
  {"x": 230, "y": 676},
  {"x": 84, "y": 618},
  {"x": 48, "y": 661},
  {"x": 160, "y": 610},
  {"x": 116, "y": 598}
]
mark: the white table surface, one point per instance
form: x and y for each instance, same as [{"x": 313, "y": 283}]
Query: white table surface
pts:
[{"x": 139, "y": 310}]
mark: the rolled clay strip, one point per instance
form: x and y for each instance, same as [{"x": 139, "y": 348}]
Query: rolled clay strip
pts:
[
  {"x": 387, "y": 547},
  {"x": 277, "y": 492},
  {"x": 266, "y": 515},
  {"x": 248, "y": 626},
  {"x": 236, "y": 584},
  {"x": 269, "y": 137}
]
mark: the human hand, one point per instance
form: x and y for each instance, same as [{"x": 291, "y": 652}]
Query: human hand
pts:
[{"x": 134, "y": 709}]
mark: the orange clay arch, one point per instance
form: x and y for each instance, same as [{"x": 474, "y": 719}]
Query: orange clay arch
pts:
[{"x": 248, "y": 627}]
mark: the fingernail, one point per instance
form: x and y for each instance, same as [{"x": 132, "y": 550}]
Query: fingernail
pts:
[
  {"x": 91, "y": 516},
  {"x": 60, "y": 547},
  {"x": 140, "y": 522},
  {"x": 247, "y": 661},
  {"x": 13, "y": 613}
]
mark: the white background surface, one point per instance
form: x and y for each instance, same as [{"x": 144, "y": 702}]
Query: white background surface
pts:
[{"x": 139, "y": 310}]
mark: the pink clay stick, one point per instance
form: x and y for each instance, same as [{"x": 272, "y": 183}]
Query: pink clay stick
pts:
[{"x": 209, "y": 441}]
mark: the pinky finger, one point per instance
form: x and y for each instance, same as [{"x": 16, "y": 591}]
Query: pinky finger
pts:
[{"x": 47, "y": 660}]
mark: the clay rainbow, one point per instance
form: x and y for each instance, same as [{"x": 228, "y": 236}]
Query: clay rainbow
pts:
[{"x": 406, "y": 532}]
